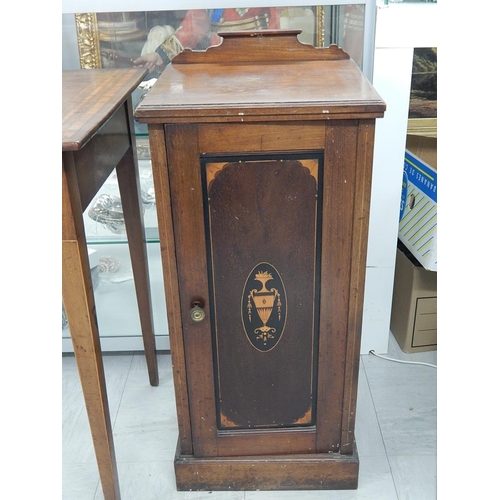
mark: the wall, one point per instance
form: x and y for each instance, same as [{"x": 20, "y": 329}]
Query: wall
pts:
[{"x": 399, "y": 28}]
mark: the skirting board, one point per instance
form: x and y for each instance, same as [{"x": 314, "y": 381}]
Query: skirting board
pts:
[{"x": 325, "y": 471}]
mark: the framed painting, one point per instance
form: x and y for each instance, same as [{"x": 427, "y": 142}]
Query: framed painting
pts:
[{"x": 422, "y": 116}]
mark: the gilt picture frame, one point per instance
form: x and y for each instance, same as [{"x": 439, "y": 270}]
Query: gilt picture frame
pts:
[{"x": 122, "y": 33}]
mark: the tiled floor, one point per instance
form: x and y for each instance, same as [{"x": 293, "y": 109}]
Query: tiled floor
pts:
[{"x": 395, "y": 433}]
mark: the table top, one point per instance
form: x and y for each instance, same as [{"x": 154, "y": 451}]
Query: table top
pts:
[
  {"x": 258, "y": 75},
  {"x": 90, "y": 97}
]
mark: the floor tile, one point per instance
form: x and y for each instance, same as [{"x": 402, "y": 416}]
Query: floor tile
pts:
[
  {"x": 146, "y": 427},
  {"x": 415, "y": 476},
  {"x": 73, "y": 404},
  {"x": 395, "y": 433},
  {"x": 139, "y": 372},
  {"x": 405, "y": 401},
  {"x": 395, "y": 351},
  {"x": 80, "y": 481},
  {"x": 116, "y": 370},
  {"x": 375, "y": 480},
  {"x": 156, "y": 481},
  {"x": 77, "y": 446},
  {"x": 367, "y": 429},
  {"x": 145, "y": 441}
]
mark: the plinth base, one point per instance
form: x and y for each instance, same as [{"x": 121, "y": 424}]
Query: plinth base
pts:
[{"x": 328, "y": 471}]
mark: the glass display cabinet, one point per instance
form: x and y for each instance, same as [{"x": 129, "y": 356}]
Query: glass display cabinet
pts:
[{"x": 120, "y": 39}]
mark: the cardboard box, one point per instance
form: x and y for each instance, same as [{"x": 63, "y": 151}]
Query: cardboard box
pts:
[
  {"x": 414, "y": 304},
  {"x": 418, "y": 212}
]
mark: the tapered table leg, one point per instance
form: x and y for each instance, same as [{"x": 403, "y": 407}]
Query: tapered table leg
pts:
[
  {"x": 128, "y": 181},
  {"x": 79, "y": 304}
]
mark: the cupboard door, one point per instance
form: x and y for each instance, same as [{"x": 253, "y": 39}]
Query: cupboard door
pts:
[{"x": 249, "y": 246}]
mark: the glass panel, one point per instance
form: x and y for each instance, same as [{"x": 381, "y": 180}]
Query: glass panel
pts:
[
  {"x": 153, "y": 38},
  {"x": 115, "y": 296},
  {"x": 103, "y": 218},
  {"x": 122, "y": 39},
  {"x": 344, "y": 26}
]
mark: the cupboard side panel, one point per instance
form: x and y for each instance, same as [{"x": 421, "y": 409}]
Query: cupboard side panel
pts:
[
  {"x": 171, "y": 284},
  {"x": 338, "y": 197},
  {"x": 360, "y": 221}
]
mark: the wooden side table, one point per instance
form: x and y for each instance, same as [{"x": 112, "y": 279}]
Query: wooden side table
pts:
[{"x": 97, "y": 137}]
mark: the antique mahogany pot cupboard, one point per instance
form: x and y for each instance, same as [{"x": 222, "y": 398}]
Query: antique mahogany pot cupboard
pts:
[{"x": 262, "y": 154}]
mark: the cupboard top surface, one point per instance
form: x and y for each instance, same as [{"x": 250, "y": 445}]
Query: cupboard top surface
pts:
[
  {"x": 266, "y": 76},
  {"x": 89, "y": 98}
]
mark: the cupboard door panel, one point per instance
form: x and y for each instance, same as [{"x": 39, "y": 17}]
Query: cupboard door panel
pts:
[{"x": 263, "y": 236}]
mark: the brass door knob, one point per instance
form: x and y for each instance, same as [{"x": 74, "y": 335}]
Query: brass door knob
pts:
[{"x": 197, "y": 313}]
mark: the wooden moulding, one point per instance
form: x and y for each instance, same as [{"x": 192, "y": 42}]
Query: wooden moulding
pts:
[
  {"x": 266, "y": 45},
  {"x": 323, "y": 471},
  {"x": 306, "y": 84}
]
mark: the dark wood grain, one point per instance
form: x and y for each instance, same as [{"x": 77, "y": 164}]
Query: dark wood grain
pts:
[
  {"x": 257, "y": 137},
  {"x": 230, "y": 129},
  {"x": 89, "y": 98},
  {"x": 338, "y": 198},
  {"x": 255, "y": 442},
  {"x": 361, "y": 213},
  {"x": 268, "y": 472},
  {"x": 262, "y": 46},
  {"x": 239, "y": 92},
  {"x": 102, "y": 152},
  {"x": 256, "y": 208},
  {"x": 127, "y": 173}
]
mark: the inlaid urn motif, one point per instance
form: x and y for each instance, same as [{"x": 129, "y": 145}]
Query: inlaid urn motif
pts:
[{"x": 265, "y": 304}]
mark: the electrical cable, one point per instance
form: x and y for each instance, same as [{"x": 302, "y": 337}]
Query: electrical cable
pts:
[{"x": 401, "y": 361}]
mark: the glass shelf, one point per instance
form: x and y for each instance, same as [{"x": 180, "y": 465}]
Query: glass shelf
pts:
[
  {"x": 103, "y": 218},
  {"x": 115, "y": 299},
  {"x": 111, "y": 268}
]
